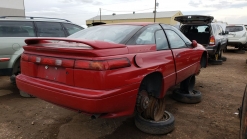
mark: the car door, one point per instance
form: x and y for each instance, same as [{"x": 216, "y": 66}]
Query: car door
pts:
[
  {"x": 160, "y": 60},
  {"x": 185, "y": 56},
  {"x": 224, "y": 36},
  {"x": 220, "y": 36}
]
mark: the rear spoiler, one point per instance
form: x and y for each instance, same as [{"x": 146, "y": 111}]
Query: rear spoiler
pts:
[{"x": 95, "y": 44}]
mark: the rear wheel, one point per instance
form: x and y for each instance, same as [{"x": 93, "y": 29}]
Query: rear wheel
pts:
[
  {"x": 16, "y": 71},
  {"x": 150, "y": 107}
]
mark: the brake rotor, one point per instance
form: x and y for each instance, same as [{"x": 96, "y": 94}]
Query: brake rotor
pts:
[
  {"x": 142, "y": 101},
  {"x": 155, "y": 110}
]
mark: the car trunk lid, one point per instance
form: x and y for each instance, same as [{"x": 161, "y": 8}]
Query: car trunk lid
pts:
[
  {"x": 60, "y": 60},
  {"x": 194, "y": 19}
]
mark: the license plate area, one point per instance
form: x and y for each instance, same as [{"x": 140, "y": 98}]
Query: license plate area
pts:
[{"x": 56, "y": 74}]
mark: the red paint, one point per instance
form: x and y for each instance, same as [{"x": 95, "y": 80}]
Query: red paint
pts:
[{"x": 97, "y": 80}]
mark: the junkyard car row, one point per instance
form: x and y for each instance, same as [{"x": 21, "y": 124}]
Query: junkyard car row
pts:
[{"x": 115, "y": 70}]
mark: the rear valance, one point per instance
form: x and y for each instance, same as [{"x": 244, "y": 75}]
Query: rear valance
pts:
[{"x": 95, "y": 44}]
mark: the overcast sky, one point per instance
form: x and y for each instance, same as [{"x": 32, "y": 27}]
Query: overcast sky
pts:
[{"x": 78, "y": 11}]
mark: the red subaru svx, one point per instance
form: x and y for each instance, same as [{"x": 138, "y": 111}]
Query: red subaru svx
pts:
[{"x": 101, "y": 70}]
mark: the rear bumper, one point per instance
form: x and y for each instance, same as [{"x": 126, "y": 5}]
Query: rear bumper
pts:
[
  {"x": 211, "y": 50},
  {"x": 109, "y": 103},
  {"x": 237, "y": 44}
]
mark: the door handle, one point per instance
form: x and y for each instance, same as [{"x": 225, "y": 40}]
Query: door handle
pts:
[{"x": 177, "y": 55}]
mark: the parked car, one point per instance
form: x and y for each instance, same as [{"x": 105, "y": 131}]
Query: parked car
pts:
[
  {"x": 110, "y": 70},
  {"x": 237, "y": 36},
  {"x": 210, "y": 35},
  {"x": 14, "y": 31}
]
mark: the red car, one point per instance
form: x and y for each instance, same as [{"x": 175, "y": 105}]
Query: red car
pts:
[{"x": 103, "y": 69}]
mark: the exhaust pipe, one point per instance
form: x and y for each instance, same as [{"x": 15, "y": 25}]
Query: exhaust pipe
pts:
[{"x": 95, "y": 116}]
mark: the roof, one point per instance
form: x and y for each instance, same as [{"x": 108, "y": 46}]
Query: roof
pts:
[
  {"x": 133, "y": 23},
  {"x": 27, "y": 18},
  {"x": 135, "y": 16}
]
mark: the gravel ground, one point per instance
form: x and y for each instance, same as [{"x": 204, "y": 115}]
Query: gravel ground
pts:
[{"x": 215, "y": 117}]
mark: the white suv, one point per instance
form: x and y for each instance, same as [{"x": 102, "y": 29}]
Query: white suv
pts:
[
  {"x": 237, "y": 36},
  {"x": 14, "y": 30}
]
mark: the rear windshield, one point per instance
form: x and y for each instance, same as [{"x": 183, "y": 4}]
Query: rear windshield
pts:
[
  {"x": 108, "y": 33},
  {"x": 234, "y": 28}
]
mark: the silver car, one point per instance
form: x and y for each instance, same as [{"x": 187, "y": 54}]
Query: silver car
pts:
[{"x": 14, "y": 31}]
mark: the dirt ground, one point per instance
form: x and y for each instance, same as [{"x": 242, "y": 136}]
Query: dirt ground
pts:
[{"x": 215, "y": 117}]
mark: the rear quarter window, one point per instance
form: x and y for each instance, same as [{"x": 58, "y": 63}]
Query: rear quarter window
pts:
[
  {"x": 234, "y": 28},
  {"x": 16, "y": 29},
  {"x": 72, "y": 28},
  {"x": 49, "y": 29}
]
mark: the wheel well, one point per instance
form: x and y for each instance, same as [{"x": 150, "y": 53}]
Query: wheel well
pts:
[
  {"x": 152, "y": 83},
  {"x": 203, "y": 61},
  {"x": 15, "y": 66}
]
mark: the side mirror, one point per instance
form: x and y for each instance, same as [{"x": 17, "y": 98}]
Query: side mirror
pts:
[
  {"x": 226, "y": 32},
  {"x": 194, "y": 43}
]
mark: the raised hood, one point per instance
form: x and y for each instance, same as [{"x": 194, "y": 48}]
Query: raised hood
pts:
[{"x": 194, "y": 19}]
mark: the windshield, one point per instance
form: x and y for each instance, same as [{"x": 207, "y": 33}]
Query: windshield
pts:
[
  {"x": 109, "y": 33},
  {"x": 234, "y": 28}
]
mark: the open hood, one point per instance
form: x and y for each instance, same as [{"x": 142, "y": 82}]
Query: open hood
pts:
[{"x": 194, "y": 19}]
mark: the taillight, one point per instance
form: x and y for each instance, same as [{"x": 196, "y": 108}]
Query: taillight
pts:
[
  {"x": 118, "y": 63},
  {"x": 48, "y": 61},
  {"x": 212, "y": 41},
  {"x": 103, "y": 65}
]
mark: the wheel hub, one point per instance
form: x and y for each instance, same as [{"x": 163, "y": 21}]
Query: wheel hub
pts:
[{"x": 142, "y": 101}]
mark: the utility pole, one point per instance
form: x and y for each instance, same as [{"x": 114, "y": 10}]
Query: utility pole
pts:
[
  {"x": 100, "y": 14},
  {"x": 154, "y": 10}
]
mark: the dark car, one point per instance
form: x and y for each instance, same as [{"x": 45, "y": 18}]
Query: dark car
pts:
[{"x": 210, "y": 35}]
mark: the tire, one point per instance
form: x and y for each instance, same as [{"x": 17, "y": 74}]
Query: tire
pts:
[
  {"x": 188, "y": 84},
  {"x": 155, "y": 127},
  {"x": 223, "y": 58},
  {"x": 12, "y": 80},
  {"x": 240, "y": 51},
  {"x": 26, "y": 95},
  {"x": 190, "y": 98},
  {"x": 215, "y": 62}
]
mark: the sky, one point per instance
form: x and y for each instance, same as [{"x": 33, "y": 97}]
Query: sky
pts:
[{"x": 78, "y": 11}]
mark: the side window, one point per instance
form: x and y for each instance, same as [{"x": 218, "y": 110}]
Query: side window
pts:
[
  {"x": 218, "y": 30},
  {"x": 185, "y": 39},
  {"x": 174, "y": 39},
  {"x": 215, "y": 29},
  {"x": 72, "y": 28},
  {"x": 16, "y": 29},
  {"x": 49, "y": 29},
  {"x": 221, "y": 30},
  {"x": 147, "y": 36},
  {"x": 161, "y": 41}
]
